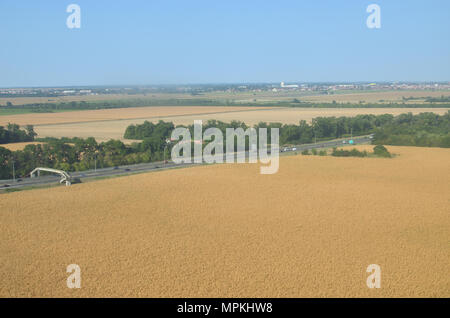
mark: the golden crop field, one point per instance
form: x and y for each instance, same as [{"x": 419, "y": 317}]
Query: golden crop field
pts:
[
  {"x": 376, "y": 97},
  {"x": 368, "y": 96},
  {"x": 247, "y": 96},
  {"x": 19, "y": 145},
  {"x": 227, "y": 231},
  {"x": 106, "y": 129},
  {"x": 78, "y": 98},
  {"x": 99, "y": 115}
]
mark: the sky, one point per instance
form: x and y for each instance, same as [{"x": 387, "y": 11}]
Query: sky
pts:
[{"x": 148, "y": 42}]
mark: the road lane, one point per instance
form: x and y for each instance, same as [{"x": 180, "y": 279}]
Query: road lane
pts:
[{"x": 155, "y": 166}]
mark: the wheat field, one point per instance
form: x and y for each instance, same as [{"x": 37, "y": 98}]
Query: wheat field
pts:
[
  {"x": 111, "y": 123},
  {"x": 369, "y": 96},
  {"x": 105, "y": 124},
  {"x": 377, "y": 97},
  {"x": 89, "y": 98},
  {"x": 19, "y": 145},
  {"x": 309, "y": 230},
  {"x": 100, "y": 115}
]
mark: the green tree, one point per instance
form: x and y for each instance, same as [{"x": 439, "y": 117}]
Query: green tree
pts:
[
  {"x": 381, "y": 151},
  {"x": 5, "y": 163}
]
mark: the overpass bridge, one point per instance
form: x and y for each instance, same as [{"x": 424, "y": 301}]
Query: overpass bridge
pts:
[{"x": 65, "y": 177}]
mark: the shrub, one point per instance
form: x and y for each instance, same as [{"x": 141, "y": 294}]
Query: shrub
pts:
[
  {"x": 348, "y": 153},
  {"x": 381, "y": 151}
]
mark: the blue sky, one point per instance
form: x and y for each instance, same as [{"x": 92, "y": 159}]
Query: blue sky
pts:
[{"x": 222, "y": 41}]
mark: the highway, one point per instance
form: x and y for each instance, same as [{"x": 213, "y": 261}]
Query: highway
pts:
[
  {"x": 155, "y": 166},
  {"x": 332, "y": 143}
]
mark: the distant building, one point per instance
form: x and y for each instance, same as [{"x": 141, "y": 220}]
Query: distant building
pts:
[{"x": 282, "y": 85}]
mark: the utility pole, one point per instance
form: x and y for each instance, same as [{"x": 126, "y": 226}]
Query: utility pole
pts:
[
  {"x": 313, "y": 126},
  {"x": 95, "y": 162},
  {"x": 165, "y": 154},
  {"x": 165, "y": 147},
  {"x": 14, "y": 170},
  {"x": 351, "y": 133}
]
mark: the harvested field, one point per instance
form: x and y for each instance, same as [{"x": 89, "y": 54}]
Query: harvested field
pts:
[
  {"x": 376, "y": 97},
  {"x": 342, "y": 96},
  {"x": 70, "y": 98},
  {"x": 19, "y": 145},
  {"x": 107, "y": 129},
  {"x": 227, "y": 231},
  {"x": 154, "y": 112}
]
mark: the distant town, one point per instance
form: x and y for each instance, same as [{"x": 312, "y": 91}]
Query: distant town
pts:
[{"x": 197, "y": 89}]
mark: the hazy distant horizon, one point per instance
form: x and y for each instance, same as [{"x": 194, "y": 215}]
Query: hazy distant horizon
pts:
[
  {"x": 222, "y": 83},
  {"x": 222, "y": 42}
]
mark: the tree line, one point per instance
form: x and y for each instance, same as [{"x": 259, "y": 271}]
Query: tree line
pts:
[
  {"x": 145, "y": 102},
  {"x": 321, "y": 128},
  {"x": 378, "y": 151},
  {"x": 77, "y": 154},
  {"x": 13, "y": 133},
  {"x": 423, "y": 130}
]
